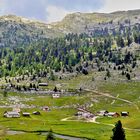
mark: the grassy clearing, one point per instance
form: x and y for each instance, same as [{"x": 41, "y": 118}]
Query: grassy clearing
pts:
[
  {"x": 47, "y": 100},
  {"x": 74, "y": 82},
  {"x": 129, "y": 91}
]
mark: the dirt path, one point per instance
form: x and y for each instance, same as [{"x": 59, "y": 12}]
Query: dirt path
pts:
[
  {"x": 114, "y": 100},
  {"x": 67, "y": 119},
  {"x": 93, "y": 120},
  {"x": 113, "y": 97}
]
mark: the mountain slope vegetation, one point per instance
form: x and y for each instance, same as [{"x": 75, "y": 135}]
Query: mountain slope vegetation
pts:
[
  {"x": 82, "y": 22},
  {"x": 105, "y": 42},
  {"x": 17, "y": 31}
]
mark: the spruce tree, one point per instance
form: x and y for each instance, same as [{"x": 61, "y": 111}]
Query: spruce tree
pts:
[
  {"x": 118, "y": 132},
  {"x": 128, "y": 76},
  {"x": 108, "y": 74},
  {"x": 50, "y": 135}
]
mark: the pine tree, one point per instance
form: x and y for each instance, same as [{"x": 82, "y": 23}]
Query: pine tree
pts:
[
  {"x": 108, "y": 74},
  {"x": 5, "y": 94},
  {"x": 52, "y": 77},
  {"x": 128, "y": 76},
  {"x": 50, "y": 135},
  {"x": 118, "y": 132},
  {"x": 55, "y": 89},
  {"x": 129, "y": 40}
]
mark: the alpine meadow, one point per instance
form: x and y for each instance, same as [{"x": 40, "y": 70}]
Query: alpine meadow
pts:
[{"x": 69, "y": 71}]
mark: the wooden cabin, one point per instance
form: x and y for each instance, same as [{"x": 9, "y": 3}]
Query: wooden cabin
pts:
[
  {"x": 103, "y": 113},
  {"x": 124, "y": 114},
  {"x": 26, "y": 114},
  {"x": 56, "y": 95},
  {"x": 113, "y": 114},
  {"x": 36, "y": 113},
  {"x": 11, "y": 114},
  {"x": 46, "y": 108},
  {"x": 43, "y": 84}
]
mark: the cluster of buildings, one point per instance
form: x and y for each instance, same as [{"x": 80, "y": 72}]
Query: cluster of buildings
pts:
[
  {"x": 84, "y": 113},
  {"x": 112, "y": 114},
  {"x": 87, "y": 114},
  {"x": 16, "y": 113}
]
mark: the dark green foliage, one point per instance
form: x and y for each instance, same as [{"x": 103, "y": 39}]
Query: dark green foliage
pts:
[
  {"x": 108, "y": 74},
  {"x": 85, "y": 71},
  {"x": 128, "y": 76},
  {"x": 52, "y": 77},
  {"x": 118, "y": 132},
  {"x": 134, "y": 64},
  {"x": 31, "y": 85},
  {"x": 55, "y": 89},
  {"x": 90, "y": 56},
  {"x": 137, "y": 38},
  {"x": 123, "y": 73},
  {"x": 129, "y": 40},
  {"x": 50, "y": 135},
  {"x": 128, "y": 58},
  {"x": 120, "y": 42},
  {"x": 5, "y": 93}
]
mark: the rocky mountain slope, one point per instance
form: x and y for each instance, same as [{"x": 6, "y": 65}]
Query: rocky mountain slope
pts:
[{"x": 79, "y": 22}]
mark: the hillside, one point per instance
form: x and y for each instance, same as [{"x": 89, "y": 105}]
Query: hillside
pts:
[
  {"x": 54, "y": 81},
  {"x": 77, "y": 22},
  {"x": 18, "y": 31}
]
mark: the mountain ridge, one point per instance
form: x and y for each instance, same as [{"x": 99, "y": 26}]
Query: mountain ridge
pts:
[
  {"x": 18, "y": 31},
  {"x": 92, "y": 19}
]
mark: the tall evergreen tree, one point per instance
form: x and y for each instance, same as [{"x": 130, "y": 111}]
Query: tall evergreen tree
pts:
[
  {"x": 50, "y": 135},
  {"x": 118, "y": 132},
  {"x": 108, "y": 74}
]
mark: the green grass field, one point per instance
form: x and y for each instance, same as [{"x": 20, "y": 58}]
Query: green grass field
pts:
[{"x": 65, "y": 107}]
